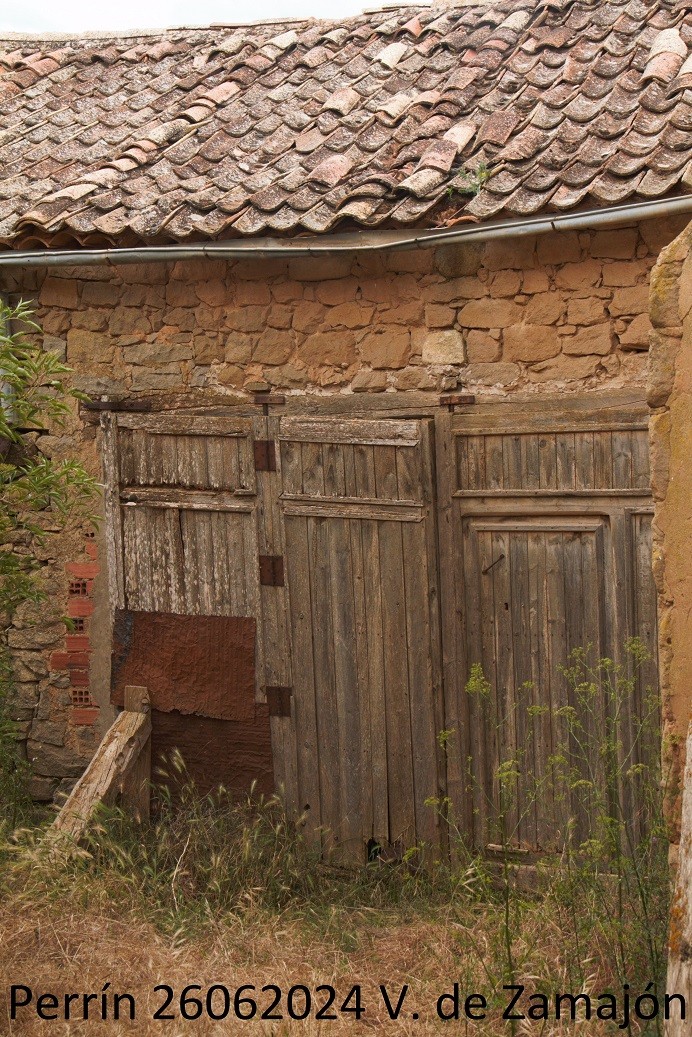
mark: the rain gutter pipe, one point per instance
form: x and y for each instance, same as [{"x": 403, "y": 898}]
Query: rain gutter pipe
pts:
[{"x": 357, "y": 241}]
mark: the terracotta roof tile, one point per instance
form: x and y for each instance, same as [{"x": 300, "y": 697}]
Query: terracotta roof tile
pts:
[{"x": 296, "y": 128}]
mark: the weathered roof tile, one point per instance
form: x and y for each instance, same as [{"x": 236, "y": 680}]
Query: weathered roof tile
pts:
[{"x": 296, "y": 127}]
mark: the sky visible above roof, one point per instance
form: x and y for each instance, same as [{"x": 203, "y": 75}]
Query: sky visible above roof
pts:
[{"x": 38, "y": 16}]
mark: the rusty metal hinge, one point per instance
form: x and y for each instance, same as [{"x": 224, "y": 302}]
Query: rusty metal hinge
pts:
[
  {"x": 271, "y": 570},
  {"x": 265, "y": 455},
  {"x": 279, "y": 700},
  {"x": 456, "y": 399}
]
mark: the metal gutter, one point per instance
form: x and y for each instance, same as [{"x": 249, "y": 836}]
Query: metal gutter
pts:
[{"x": 357, "y": 241}]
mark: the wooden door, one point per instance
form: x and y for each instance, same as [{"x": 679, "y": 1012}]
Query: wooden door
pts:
[
  {"x": 183, "y": 536},
  {"x": 551, "y": 539},
  {"x": 360, "y": 556}
]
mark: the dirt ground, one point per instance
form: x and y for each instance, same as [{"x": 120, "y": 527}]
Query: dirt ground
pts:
[{"x": 59, "y": 950}]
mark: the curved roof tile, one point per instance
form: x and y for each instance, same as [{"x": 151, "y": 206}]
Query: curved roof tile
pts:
[{"x": 406, "y": 116}]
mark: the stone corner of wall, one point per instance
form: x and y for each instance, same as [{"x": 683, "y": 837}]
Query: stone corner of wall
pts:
[
  {"x": 670, "y": 430},
  {"x": 670, "y": 300}
]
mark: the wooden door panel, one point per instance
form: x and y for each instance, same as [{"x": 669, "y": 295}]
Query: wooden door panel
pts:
[
  {"x": 184, "y": 541},
  {"x": 558, "y": 461},
  {"x": 551, "y": 541},
  {"x": 361, "y": 566},
  {"x": 539, "y": 596}
]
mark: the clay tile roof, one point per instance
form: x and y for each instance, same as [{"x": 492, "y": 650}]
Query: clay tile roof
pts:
[{"x": 410, "y": 115}]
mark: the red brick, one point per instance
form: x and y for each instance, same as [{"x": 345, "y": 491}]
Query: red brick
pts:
[
  {"x": 91, "y": 548},
  {"x": 78, "y": 659},
  {"x": 59, "y": 660},
  {"x": 79, "y": 678},
  {"x": 82, "y": 570},
  {"x": 80, "y": 607},
  {"x": 77, "y": 643},
  {"x": 84, "y": 715}
]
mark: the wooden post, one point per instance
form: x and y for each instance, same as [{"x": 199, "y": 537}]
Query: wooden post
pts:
[
  {"x": 136, "y": 785},
  {"x": 680, "y": 938}
]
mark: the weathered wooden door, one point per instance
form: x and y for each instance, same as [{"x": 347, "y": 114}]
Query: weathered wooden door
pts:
[
  {"x": 552, "y": 552},
  {"x": 360, "y": 558},
  {"x": 184, "y": 546}
]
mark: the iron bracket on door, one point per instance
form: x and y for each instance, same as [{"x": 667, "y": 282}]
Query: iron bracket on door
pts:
[
  {"x": 265, "y": 455},
  {"x": 279, "y": 700},
  {"x": 271, "y": 570}
]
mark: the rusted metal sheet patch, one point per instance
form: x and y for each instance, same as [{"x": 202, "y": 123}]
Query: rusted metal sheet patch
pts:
[
  {"x": 203, "y": 665},
  {"x": 216, "y": 752}
]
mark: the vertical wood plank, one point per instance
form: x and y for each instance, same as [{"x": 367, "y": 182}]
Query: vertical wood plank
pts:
[
  {"x": 304, "y": 690},
  {"x": 176, "y": 560},
  {"x": 486, "y": 716},
  {"x": 530, "y": 464},
  {"x": 511, "y": 462},
  {"x": 641, "y": 475},
  {"x": 313, "y": 468},
  {"x": 622, "y": 459},
  {"x": 521, "y": 605},
  {"x": 334, "y": 473},
  {"x": 113, "y": 516},
  {"x": 291, "y": 467},
  {"x": 575, "y": 633},
  {"x": 364, "y": 465},
  {"x": 461, "y": 455},
  {"x": 350, "y": 483},
  {"x": 385, "y": 473},
  {"x": 584, "y": 460},
  {"x": 347, "y": 715},
  {"x": 475, "y": 451},
  {"x": 328, "y": 732},
  {"x": 168, "y": 472},
  {"x": 547, "y": 461},
  {"x": 376, "y": 679},
  {"x": 420, "y": 649},
  {"x": 564, "y": 453},
  {"x": 603, "y": 460},
  {"x": 556, "y": 639},
  {"x": 505, "y": 689},
  {"x": 398, "y": 716},
  {"x": 493, "y": 448},
  {"x": 541, "y": 722},
  {"x": 362, "y": 648},
  {"x": 452, "y": 474}
]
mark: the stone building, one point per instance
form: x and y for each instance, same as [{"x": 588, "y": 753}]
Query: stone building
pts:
[{"x": 363, "y": 312}]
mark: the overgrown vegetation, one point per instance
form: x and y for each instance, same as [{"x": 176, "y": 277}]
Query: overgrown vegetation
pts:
[
  {"x": 34, "y": 490},
  {"x": 470, "y": 181},
  {"x": 215, "y": 891}
]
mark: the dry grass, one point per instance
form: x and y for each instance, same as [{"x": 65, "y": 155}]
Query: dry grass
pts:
[
  {"x": 65, "y": 948},
  {"x": 226, "y": 894}
]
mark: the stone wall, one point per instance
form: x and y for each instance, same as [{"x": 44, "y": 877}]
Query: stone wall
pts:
[
  {"x": 561, "y": 312},
  {"x": 670, "y": 397},
  {"x": 561, "y": 309},
  {"x": 58, "y": 719}
]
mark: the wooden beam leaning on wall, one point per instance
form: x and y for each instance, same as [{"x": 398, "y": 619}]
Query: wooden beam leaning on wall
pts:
[{"x": 120, "y": 770}]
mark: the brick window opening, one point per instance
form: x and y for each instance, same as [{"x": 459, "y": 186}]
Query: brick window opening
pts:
[
  {"x": 78, "y": 625},
  {"x": 81, "y": 697},
  {"x": 78, "y": 588},
  {"x": 90, "y": 534}
]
